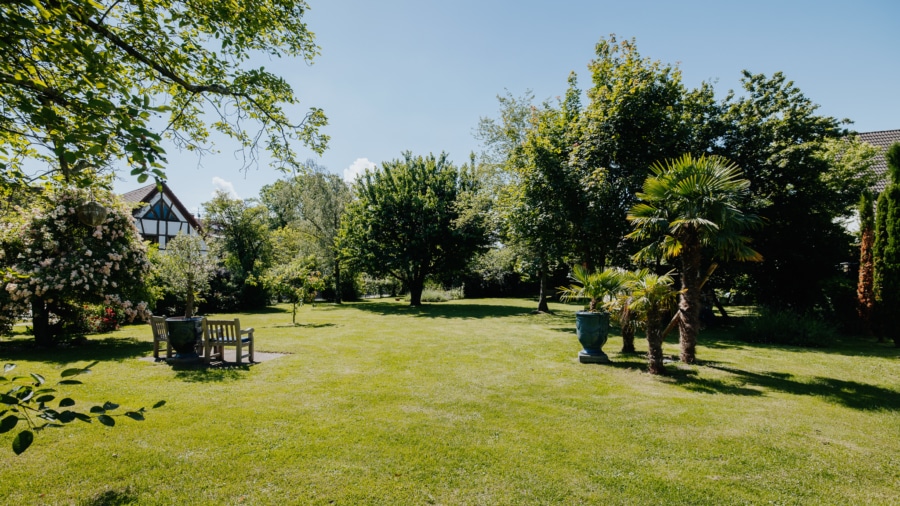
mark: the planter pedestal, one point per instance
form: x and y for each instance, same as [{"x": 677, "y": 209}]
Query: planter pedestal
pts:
[
  {"x": 185, "y": 335},
  {"x": 592, "y": 329}
]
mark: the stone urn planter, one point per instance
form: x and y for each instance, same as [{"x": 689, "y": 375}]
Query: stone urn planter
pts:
[
  {"x": 592, "y": 329},
  {"x": 186, "y": 336}
]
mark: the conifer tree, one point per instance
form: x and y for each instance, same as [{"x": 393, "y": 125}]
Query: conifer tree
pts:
[{"x": 887, "y": 248}]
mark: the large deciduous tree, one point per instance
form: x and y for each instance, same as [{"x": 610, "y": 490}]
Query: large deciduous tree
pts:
[
  {"x": 408, "y": 221},
  {"x": 311, "y": 205},
  {"x": 239, "y": 230},
  {"x": 639, "y": 112},
  {"x": 86, "y": 82},
  {"x": 52, "y": 262},
  {"x": 775, "y": 135},
  {"x": 887, "y": 249},
  {"x": 690, "y": 204}
]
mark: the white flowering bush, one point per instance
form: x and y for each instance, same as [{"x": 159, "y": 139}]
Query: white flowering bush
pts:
[{"x": 51, "y": 261}]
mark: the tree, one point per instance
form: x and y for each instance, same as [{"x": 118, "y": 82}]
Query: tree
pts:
[
  {"x": 651, "y": 299},
  {"x": 887, "y": 248},
  {"x": 54, "y": 262},
  {"x": 297, "y": 281},
  {"x": 84, "y": 83},
  {"x": 312, "y": 204},
  {"x": 186, "y": 269},
  {"x": 789, "y": 155},
  {"x": 689, "y": 204},
  {"x": 865, "y": 288},
  {"x": 407, "y": 221},
  {"x": 536, "y": 194},
  {"x": 239, "y": 228},
  {"x": 638, "y": 112}
]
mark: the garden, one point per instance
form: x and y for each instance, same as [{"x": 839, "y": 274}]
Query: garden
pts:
[
  {"x": 639, "y": 293},
  {"x": 466, "y": 402}
]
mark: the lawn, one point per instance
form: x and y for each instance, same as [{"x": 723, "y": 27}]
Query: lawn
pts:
[{"x": 466, "y": 402}]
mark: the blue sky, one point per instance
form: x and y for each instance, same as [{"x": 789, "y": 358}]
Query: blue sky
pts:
[{"x": 417, "y": 75}]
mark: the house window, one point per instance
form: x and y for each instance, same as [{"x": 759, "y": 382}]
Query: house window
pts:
[{"x": 161, "y": 211}]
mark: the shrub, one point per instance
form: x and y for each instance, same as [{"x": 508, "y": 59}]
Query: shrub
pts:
[
  {"x": 434, "y": 292},
  {"x": 788, "y": 328}
]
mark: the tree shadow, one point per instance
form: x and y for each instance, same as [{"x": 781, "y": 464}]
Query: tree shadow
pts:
[
  {"x": 103, "y": 349},
  {"x": 441, "y": 310},
  {"x": 216, "y": 373},
  {"x": 723, "y": 336},
  {"x": 851, "y": 394},
  {"x": 303, "y": 325}
]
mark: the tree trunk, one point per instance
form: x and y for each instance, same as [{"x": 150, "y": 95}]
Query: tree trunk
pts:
[
  {"x": 689, "y": 303},
  {"x": 337, "y": 282},
  {"x": 40, "y": 322},
  {"x": 542, "y": 301},
  {"x": 865, "y": 289},
  {"x": 654, "y": 342},
  {"x": 415, "y": 291},
  {"x": 627, "y": 331}
]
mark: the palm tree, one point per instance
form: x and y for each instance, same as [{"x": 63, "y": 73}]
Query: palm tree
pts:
[
  {"x": 689, "y": 204},
  {"x": 651, "y": 300},
  {"x": 598, "y": 286}
]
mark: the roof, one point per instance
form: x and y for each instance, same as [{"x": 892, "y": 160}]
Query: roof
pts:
[
  {"x": 881, "y": 140},
  {"x": 145, "y": 194}
]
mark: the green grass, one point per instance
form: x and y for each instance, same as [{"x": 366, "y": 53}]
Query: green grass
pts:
[{"x": 467, "y": 402}]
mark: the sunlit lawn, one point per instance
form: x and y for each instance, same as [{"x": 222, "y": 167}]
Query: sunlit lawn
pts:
[{"x": 469, "y": 402}]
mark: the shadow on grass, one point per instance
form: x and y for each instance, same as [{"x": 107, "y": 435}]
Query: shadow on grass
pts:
[
  {"x": 439, "y": 310},
  {"x": 851, "y": 394},
  {"x": 722, "y": 335},
  {"x": 103, "y": 349},
  {"x": 200, "y": 373},
  {"x": 303, "y": 325}
]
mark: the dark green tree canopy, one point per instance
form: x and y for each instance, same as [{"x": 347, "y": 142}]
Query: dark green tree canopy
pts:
[
  {"x": 84, "y": 83},
  {"x": 408, "y": 220}
]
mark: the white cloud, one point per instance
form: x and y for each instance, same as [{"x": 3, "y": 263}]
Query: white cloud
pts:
[
  {"x": 221, "y": 185},
  {"x": 358, "y": 167}
]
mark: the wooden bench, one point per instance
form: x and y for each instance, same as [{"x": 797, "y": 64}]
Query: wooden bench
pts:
[
  {"x": 217, "y": 334},
  {"x": 160, "y": 335}
]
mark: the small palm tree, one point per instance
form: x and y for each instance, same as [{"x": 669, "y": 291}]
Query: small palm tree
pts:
[
  {"x": 598, "y": 286},
  {"x": 651, "y": 301},
  {"x": 622, "y": 313},
  {"x": 689, "y": 204}
]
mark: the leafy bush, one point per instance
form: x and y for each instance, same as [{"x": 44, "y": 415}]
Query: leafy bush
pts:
[
  {"x": 787, "y": 327},
  {"x": 437, "y": 293}
]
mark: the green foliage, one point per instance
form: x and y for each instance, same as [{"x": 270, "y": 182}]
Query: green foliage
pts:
[
  {"x": 787, "y": 327},
  {"x": 435, "y": 292},
  {"x": 296, "y": 281},
  {"x": 308, "y": 208},
  {"x": 693, "y": 200},
  {"x": 238, "y": 232},
  {"x": 690, "y": 205},
  {"x": 650, "y": 300},
  {"x": 29, "y": 400},
  {"x": 84, "y": 83},
  {"x": 186, "y": 269},
  {"x": 788, "y": 152},
  {"x": 887, "y": 250},
  {"x": 639, "y": 113},
  {"x": 597, "y": 287},
  {"x": 52, "y": 261},
  {"x": 408, "y": 221}
]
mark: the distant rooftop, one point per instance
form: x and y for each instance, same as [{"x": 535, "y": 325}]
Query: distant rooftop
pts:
[{"x": 881, "y": 140}]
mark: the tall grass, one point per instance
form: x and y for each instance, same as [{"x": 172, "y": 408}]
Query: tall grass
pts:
[{"x": 466, "y": 402}]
